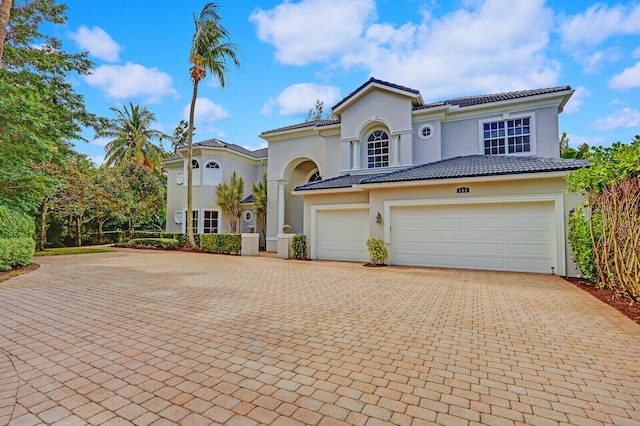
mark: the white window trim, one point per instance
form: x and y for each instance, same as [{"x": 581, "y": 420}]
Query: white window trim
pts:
[
  {"x": 425, "y": 126},
  {"x": 196, "y": 174},
  {"x": 247, "y": 216},
  {"x": 201, "y": 219},
  {"x": 509, "y": 116},
  {"x": 366, "y": 143},
  {"x": 204, "y": 173}
]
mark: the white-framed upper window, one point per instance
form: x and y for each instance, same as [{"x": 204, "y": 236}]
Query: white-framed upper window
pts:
[
  {"x": 210, "y": 222},
  {"x": 211, "y": 175},
  {"x": 247, "y": 216},
  {"x": 426, "y": 131},
  {"x": 513, "y": 135},
  {"x": 195, "y": 172},
  {"x": 195, "y": 221},
  {"x": 378, "y": 149}
]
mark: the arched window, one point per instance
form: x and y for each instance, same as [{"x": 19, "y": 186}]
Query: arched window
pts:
[
  {"x": 211, "y": 174},
  {"x": 195, "y": 173},
  {"x": 378, "y": 149},
  {"x": 315, "y": 176},
  {"x": 195, "y": 164}
]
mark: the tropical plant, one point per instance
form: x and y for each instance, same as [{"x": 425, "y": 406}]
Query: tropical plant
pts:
[
  {"x": 568, "y": 152},
  {"x": 378, "y": 250},
  {"x": 228, "y": 197},
  {"x": 259, "y": 191},
  {"x": 133, "y": 137},
  {"x": 180, "y": 135},
  {"x": 210, "y": 51}
]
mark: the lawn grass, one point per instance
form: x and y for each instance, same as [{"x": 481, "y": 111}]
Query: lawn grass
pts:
[{"x": 71, "y": 250}]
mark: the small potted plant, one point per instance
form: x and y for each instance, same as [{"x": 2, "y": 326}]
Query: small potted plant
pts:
[
  {"x": 251, "y": 229},
  {"x": 286, "y": 229},
  {"x": 378, "y": 251}
]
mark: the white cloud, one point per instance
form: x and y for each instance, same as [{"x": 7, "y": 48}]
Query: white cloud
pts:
[
  {"x": 624, "y": 118},
  {"x": 577, "y": 100},
  {"x": 598, "y": 23},
  {"x": 207, "y": 113},
  {"x": 313, "y": 30},
  {"x": 465, "y": 51},
  {"x": 298, "y": 98},
  {"x": 627, "y": 79},
  {"x": 97, "y": 159},
  {"x": 486, "y": 46},
  {"x": 100, "y": 142},
  {"x": 132, "y": 80},
  {"x": 97, "y": 42}
]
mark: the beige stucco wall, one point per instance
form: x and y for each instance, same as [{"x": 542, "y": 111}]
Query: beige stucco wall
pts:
[{"x": 376, "y": 106}]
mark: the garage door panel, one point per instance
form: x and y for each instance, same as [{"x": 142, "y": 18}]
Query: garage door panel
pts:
[
  {"x": 342, "y": 234},
  {"x": 492, "y": 236}
]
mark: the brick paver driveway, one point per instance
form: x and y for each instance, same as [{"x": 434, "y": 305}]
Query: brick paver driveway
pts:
[{"x": 148, "y": 337}]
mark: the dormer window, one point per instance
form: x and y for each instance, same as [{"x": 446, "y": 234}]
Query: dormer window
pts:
[
  {"x": 378, "y": 150},
  {"x": 511, "y": 136}
]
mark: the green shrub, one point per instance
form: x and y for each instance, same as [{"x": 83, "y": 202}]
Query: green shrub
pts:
[
  {"x": 15, "y": 252},
  {"x": 299, "y": 246},
  {"x": 220, "y": 243},
  {"x": 15, "y": 224},
  {"x": 581, "y": 244},
  {"x": 107, "y": 237},
  {"x": 378, "y": 250},
  {"x": 16, "y": 239},
  {"x": 154, "y": 243}
]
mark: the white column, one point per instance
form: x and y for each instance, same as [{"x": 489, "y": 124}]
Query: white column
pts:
[
  {"x": 396, "y": 150},
  {"x": 281, "y": 185},
  {"x": 356, "y": 154}
]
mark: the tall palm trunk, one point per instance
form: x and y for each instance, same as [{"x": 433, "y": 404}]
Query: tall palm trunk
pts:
[
  {"x": 5, "y": 11},
  {"x": 191, "y": 241}
]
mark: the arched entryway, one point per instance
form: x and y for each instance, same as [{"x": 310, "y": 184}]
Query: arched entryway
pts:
[{"x": 298, "y": 172}]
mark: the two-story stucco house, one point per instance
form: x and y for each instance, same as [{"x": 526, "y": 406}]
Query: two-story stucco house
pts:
[{"x": 474, "y": 182}]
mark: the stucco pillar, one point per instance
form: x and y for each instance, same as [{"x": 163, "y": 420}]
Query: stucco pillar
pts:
[
  {"x": 281, "y": 194},
  {"x": 396, "y": 149},
  {"x": 356, "y": 154}
]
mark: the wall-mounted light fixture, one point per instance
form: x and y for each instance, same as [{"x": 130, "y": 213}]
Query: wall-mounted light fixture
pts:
[{"x": 378, "y": 218}]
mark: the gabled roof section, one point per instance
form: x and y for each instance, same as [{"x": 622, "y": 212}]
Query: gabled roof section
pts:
[
  {"x": 307, "y": 124},
  {"x": 375, "y": 83},
  {"x": 216, "y": 143},
  {"x": 479, "y": 165},
  {"x": 468, "y": 101}
]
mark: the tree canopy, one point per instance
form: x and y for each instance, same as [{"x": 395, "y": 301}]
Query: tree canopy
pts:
[{"x": 40, "y": 112}]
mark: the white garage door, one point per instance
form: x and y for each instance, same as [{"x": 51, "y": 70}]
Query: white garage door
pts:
[
  {"x": 503, "y": 237},
  {"x": 342, "y": 234}
]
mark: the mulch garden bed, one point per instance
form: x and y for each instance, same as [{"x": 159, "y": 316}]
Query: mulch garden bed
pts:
[{"x": 626, "y": 306}]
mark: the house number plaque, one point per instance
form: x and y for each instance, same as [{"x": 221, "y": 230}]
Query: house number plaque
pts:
[{"x": 462, "y": 190}]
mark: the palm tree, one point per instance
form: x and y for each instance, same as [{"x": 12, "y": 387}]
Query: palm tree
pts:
[
  {"x": 210, "y": 50},
  {"x": 228, "y": 197},
  {"x": 5, "y": 11},
  {"x": 259, "y": 191},
  {"x": 133, "y": 135}
]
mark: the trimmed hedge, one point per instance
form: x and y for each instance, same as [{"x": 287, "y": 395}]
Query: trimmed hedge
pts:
[
  {"x": 220, "y": 243},
  {"x": 16, "y": 239},
  {"x": 153, "y": 243},
  {"x": 182, "y": 238},
  {"x": 107, "y": 237}
]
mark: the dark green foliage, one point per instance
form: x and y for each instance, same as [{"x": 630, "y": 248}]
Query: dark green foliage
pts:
[
  {"x": 16, "y": 239},
  {"x": 107, "y": 237},
  {"x": 221, "y": 243},
  {"x": 16, "y": 252},
  {"x": 582, "y": 245},
  {"x": 153, "y": 243},
  {"x": 299, "y": 246},
  {"x": 15, "y": 224}
]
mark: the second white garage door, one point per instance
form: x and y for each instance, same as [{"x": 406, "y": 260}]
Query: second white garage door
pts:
[
  {"x": 501, "y": 236},
  {"x": 342, "y": 234}
]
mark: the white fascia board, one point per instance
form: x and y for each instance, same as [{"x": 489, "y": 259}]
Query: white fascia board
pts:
[
  {"x": 491, "y": 178},
  {"x": 352, "y": 188},
  {"x": 297, "y": 132}
]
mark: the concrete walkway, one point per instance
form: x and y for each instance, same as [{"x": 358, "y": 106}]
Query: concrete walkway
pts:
[{"x": 144, "y": 337}]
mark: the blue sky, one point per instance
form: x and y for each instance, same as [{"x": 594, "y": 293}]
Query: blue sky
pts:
[{"x": 294, "y": 52}]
